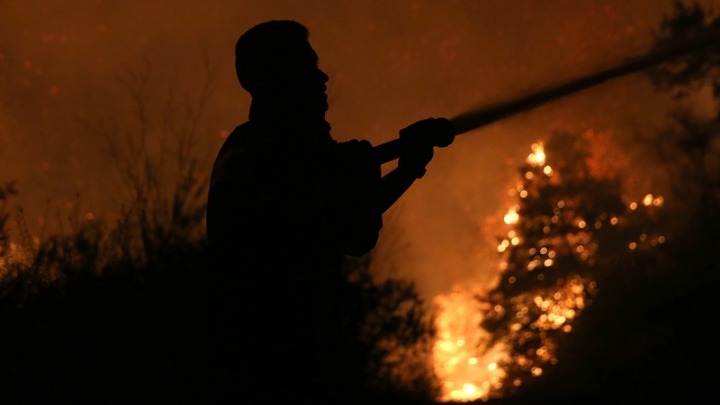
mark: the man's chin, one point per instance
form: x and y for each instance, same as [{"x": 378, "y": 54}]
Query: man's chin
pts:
[{"x": 321, "y": 108}]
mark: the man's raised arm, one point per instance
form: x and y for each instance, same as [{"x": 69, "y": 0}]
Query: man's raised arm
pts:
[{"x": 417, "y": 143}]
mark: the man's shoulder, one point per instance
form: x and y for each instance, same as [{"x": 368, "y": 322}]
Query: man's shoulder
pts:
[
  {"x": 241, "y": 136},
  {"x": 246, "y": 136},
  {"x": 240, "y": 151}
]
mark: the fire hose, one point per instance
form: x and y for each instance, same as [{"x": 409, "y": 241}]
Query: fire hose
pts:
[{"x": 480, "y": 117}]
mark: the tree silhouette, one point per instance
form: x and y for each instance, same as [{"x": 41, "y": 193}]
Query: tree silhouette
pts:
[
  {"x": 392, "y": 335},
  {"x": 689, "y": 148}
]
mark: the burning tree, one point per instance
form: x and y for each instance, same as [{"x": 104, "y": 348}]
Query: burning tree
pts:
[
  {"x": 576, "y": 237},
  {"x": 572, "y": 229}
]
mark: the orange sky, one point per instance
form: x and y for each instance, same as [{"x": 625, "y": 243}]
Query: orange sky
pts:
[{"x": 390, "y": 63}]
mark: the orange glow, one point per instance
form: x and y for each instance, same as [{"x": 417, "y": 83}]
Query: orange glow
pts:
[{"x": 466, "y": 369}]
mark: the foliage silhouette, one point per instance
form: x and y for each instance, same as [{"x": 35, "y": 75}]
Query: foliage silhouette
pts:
[{"x": 89, "y": 317}]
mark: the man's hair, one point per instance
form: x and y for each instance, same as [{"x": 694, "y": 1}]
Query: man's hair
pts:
[{"x": 263, "y": 51}]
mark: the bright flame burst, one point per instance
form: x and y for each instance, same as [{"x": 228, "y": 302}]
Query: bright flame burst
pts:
[
  {"x": 466, "y": 370},
  {"x": 470, "y": 370}
]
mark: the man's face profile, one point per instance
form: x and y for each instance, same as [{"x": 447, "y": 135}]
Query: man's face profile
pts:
[{"x": 303, "y": 80}]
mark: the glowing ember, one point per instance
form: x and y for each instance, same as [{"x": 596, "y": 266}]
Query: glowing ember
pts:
[
  {"x": 512, "y": 216},
  {"x": 562, "y": 307},
  {"x": 466, "y": 370},
  {"x": 537, "y": 157}
]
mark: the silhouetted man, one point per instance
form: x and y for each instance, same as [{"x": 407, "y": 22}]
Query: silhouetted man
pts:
[{"x": 286, "y": 202}]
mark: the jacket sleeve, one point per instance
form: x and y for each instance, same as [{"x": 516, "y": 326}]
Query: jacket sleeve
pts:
[{"x": 360, "y": 215}]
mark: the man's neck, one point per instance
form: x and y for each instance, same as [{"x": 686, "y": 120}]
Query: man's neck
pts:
[{"x": 288, "y": 119}]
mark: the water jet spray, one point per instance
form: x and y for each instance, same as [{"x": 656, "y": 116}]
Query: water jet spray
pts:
[{"x": 483, "y": 116}]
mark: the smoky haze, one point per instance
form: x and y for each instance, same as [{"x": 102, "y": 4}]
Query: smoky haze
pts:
[{"x": 63, "y": 65}]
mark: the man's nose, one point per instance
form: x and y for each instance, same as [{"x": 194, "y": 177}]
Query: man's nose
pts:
[{"x": 323, "y": 76}]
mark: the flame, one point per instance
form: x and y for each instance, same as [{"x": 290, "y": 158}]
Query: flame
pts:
[
  {"x": 466, "y": 371},
  {"x": 537, "y": 157}
]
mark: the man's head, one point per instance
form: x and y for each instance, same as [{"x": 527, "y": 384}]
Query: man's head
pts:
[{"x": 274, "y": 61}]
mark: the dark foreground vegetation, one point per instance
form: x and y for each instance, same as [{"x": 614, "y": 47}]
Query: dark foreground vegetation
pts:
[{"x": 121, "y": 315}]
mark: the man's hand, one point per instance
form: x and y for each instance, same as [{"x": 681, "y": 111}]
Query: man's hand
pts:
[
  {"x": 414, "y": 158},
  {"x": 418, "y": 142},
  {"x": 432, "y": 131}
]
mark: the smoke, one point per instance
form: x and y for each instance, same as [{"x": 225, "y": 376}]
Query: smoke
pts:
[{"x": 390, "y": 64}]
